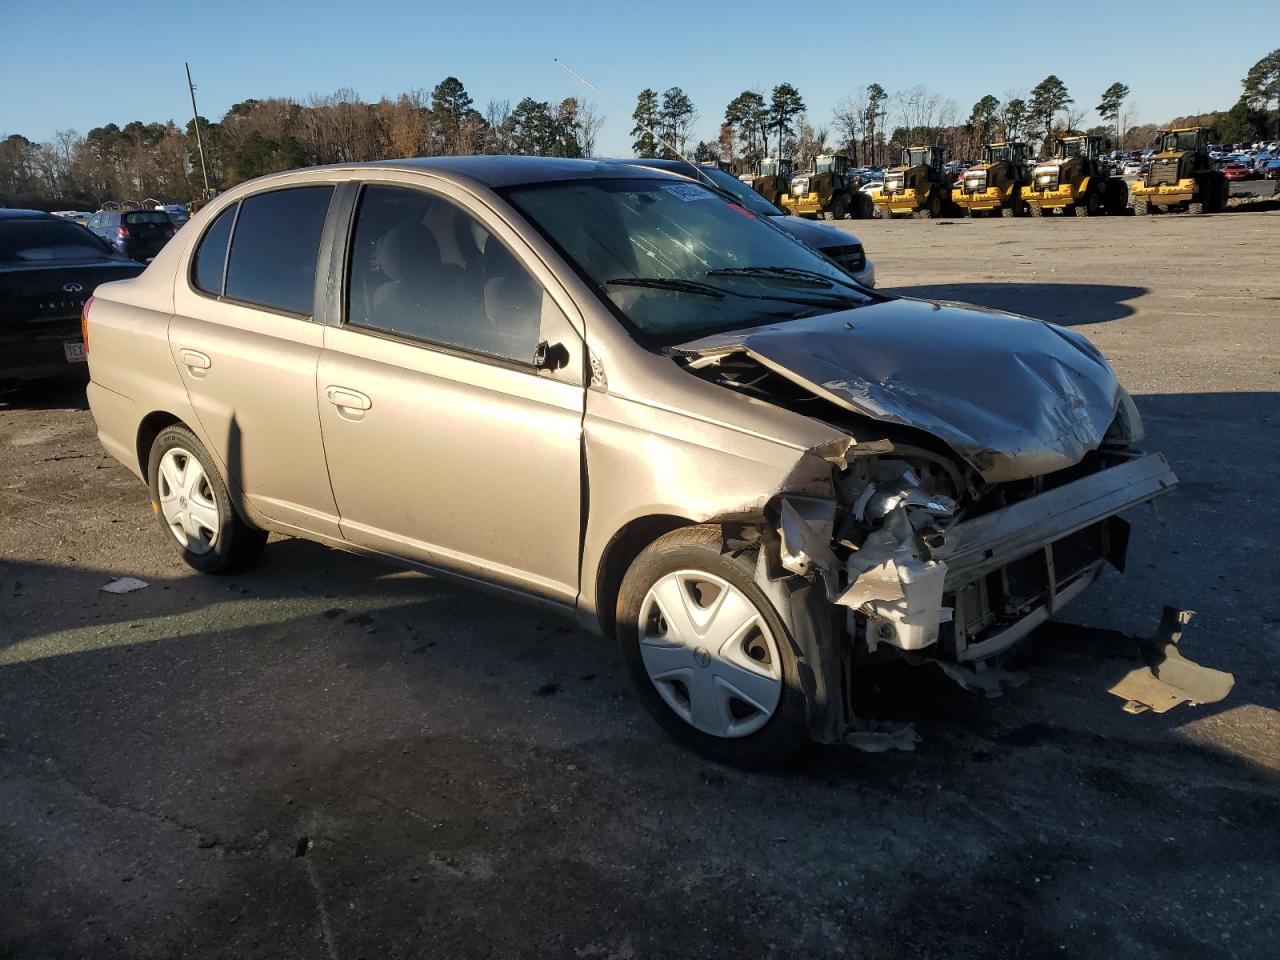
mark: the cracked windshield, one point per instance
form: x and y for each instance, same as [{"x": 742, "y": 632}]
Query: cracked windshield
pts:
[{"x": 677, "y": 260}]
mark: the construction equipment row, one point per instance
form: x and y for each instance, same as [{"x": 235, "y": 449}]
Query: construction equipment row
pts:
[{"x": 1076, "y": 180}]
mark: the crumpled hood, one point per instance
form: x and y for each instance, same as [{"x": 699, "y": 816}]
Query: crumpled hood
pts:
[{"x": 1014, "y": 397}]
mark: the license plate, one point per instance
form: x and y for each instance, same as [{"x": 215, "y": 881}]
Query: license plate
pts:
[{"x": 74, "y": 351}]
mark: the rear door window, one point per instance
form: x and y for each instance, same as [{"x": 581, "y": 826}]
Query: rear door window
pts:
[
  {"x": 211, "y": 257},
  {"x": 272, "y": 262}
]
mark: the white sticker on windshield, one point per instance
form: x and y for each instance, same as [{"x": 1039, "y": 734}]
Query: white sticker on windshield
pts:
[{"x": 688, "y": 192}]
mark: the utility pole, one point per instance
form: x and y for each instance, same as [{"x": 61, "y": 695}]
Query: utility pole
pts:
[{"x": 195, "y": 119}]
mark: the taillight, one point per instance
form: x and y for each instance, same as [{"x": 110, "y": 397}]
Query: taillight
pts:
[
  {"x": 122, "y": 233},
  {"x": 84, "y": 323}
]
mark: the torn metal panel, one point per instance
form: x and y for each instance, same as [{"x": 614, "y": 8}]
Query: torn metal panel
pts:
[
  {"x": 806, "y": 539},
  {"x": 1169, "y": 678},
  {"x": 985, "y": 678},
  {"x": 880, "y": 736},
  {"x": 890, "y": 580},
  {"x": 1016, "y": 398}
]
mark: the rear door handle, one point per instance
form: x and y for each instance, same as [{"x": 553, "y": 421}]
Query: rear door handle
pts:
[
  {"x": 196, "y": 362},
  {"x": 348, "y": 399}
]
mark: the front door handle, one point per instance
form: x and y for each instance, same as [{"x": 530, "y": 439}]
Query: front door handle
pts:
[
  {"x": 196, "y": 362},
  {"x": 348, "y": 399}
]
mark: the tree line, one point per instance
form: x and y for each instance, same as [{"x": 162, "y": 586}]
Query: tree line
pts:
[{"x": 257, "y": 137}]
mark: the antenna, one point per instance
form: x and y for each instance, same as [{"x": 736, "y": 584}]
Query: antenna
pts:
[
  {"x": 653, "y": 133},
  {"x": 195, "y": 119}
]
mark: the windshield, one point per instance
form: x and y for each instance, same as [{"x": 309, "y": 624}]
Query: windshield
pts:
[
  {"x": 740, "y": 192},
  {"x": 28, "y": 240},
  {"x": 919, "y": 158},
  {"x": 823, "y": 164},
  {"x": 1185, "y": 140},
  {"x": 676, "y": 261},
  {"x": 1074, "y": 148},
  {"x": 999, "y": 154}
]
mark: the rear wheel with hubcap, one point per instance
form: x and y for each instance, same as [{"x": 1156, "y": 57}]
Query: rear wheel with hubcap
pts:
[
  {"x": 709, "y": 656},
  {"x": 193, "y": 506}
]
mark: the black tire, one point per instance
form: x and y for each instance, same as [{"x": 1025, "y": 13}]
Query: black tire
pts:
[
  {"x": 237, "y": 544},
  {"x": 1195, "y": 208},
  {"x": 1117, "y": 198},
  {"x": 1090, "y": 207},
  {"x": 1008, "y": 213},
  {"x": 701, "y": 548},
  {"x": 1141, "y": 208},
  {"x": 879, "y": 212},
  {"x": 1036, "y": 209}
]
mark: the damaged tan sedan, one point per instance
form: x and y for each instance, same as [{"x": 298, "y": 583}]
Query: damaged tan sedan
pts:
[{"x": 623, "y": 395}]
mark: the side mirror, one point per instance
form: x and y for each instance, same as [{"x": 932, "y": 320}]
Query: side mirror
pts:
[{"x": 550, "y": 356}]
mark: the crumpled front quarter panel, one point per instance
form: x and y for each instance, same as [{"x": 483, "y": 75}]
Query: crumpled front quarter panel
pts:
[{"x": 644, "y": 460}]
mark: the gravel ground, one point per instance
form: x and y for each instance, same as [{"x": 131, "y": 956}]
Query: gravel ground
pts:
[{"x": 331, "y": 758}]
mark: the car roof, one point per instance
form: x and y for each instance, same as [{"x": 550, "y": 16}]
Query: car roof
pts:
[
  {"x": 12, "y": 213},
  {"x": 503, "y": 171}
]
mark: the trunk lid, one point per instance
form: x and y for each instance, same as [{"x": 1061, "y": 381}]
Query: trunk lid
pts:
[{"x": 49, "y": 295}]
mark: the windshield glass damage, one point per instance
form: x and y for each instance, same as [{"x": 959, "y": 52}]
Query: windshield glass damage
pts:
[{"x": 676, "y": 260}]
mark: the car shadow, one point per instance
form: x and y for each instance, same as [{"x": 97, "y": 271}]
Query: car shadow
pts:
[
  {"x": 60, "y": 394},
  {"x": 1067, "y": 304}
]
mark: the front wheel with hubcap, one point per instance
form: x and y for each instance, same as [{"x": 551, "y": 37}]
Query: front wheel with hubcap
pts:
[
  {"x": 709, "y": 656},
  {"x": 191, "y": 501}
]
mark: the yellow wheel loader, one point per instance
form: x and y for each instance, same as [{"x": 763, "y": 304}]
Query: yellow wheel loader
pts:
[
  {"x": 1181, "y": 176},
  {"x": 917, "y": 187},
  {"x": 1076, "y": 180},
  {"x": 995, "y": 185},
  {"x": 773, "y": 180},
  {"x": 828, "y": 190}
]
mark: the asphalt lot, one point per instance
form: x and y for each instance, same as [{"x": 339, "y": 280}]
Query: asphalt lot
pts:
[{"x": 330, "y": 758}]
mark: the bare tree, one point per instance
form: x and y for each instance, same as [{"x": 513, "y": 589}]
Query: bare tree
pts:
[
  {"x": 590, "y": 120},
  {"x": 850, "y": 121},
  {"x": 497, "y": 114}
]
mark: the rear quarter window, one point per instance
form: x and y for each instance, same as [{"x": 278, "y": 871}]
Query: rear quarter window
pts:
[
  {"x": 272, "y": 262},
  {"x": 211, "y": 255}
]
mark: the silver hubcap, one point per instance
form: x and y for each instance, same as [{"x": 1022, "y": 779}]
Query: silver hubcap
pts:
[
  {"x": 710, "y": 654},
  {"x": 187, "y": 502}
]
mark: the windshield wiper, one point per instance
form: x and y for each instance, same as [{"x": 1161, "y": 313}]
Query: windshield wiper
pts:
[
  {"x": 679, "y": 285},
  {"x": 669, "y": 283},
  {"x": 789, "y": 273}
]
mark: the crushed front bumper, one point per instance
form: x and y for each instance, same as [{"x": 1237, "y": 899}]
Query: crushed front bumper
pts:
[{"x": 1011, "y": 569}]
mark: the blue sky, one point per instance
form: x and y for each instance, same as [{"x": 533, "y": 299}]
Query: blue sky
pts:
[{"x": 78, "y": 65}]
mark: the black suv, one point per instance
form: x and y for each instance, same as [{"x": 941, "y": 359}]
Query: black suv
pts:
[{"x": 138, "y": 234}]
